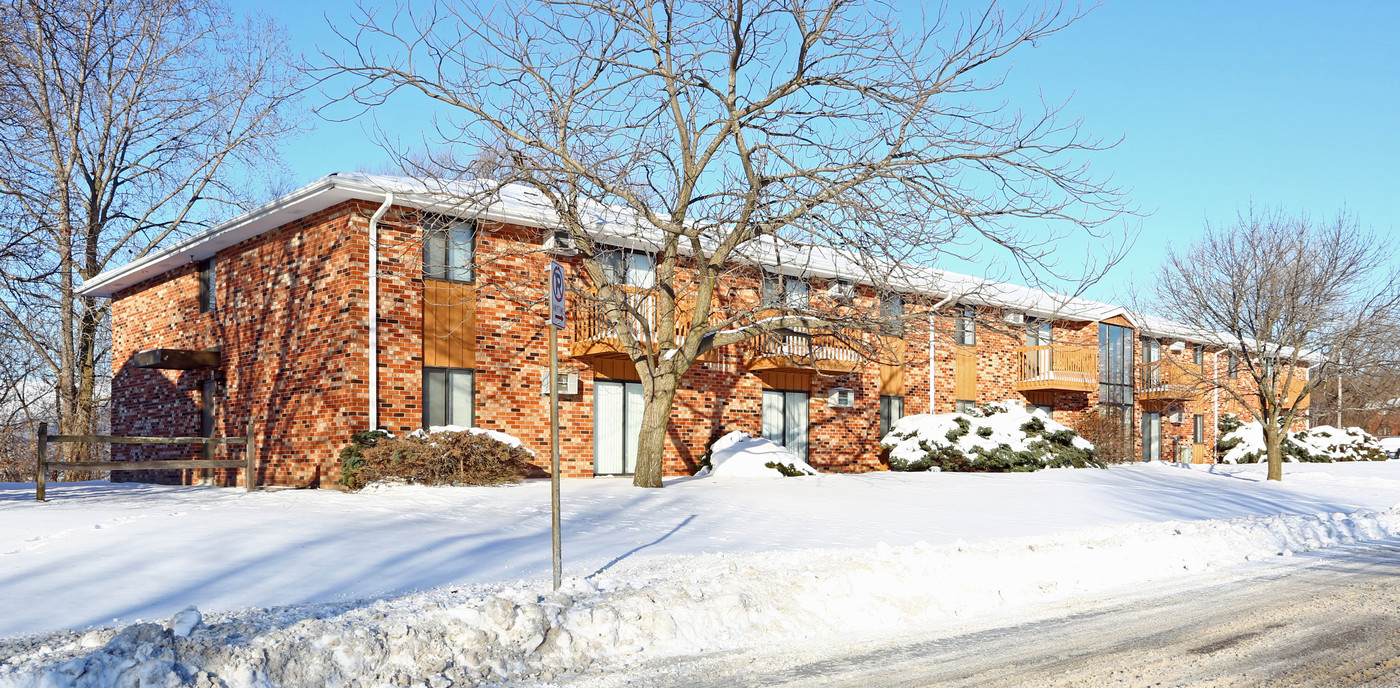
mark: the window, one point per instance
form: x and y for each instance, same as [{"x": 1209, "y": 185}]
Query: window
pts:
[
  {"x": 964, "y": 405},
  {"x": 1198, "y": 354},
  {"x": 1198, "y": 429},
  {"x": 449, "y": 250},
  {"x": 785, "y": 420},
  {"x": 447, "y": 397},
  {"x": 892, "y": 310},
  {"x": 1040, "y": 332},
  {"x": 781, "y": 291},
  {"x": 965, "y": 327},
  {"x": 1234, "y": 366},
  {"x": 206, "y": 286},
  {"x": 1268, "y": 365},
  {"x": 1151, "y": 350},
  {"x": 1048, "y": 409},
  {"x": 891, "y": 410},
  {"x": 628, "y": 268},
  {"x": 1115, "y": 365}
]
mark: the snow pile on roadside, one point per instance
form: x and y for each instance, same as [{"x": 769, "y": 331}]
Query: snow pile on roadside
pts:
[
  {"x": 737, "y": 455},
  {"x": 504, "y": 438},
  {"x": 1244, "y": 443},
  {"x": 680, "y": 605},
  {"x": 1004, "y": 436}
]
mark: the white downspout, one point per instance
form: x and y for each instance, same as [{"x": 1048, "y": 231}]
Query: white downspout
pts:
[
  {"x": 374, "y": 309},
  {"x": 1215, "y": 374},
  {"x": 932, "y": 367}
]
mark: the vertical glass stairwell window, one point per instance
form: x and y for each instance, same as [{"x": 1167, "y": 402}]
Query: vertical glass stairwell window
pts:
[
  {"x": 1115, "y": 366},
  {"x": 449, "y": 249}
]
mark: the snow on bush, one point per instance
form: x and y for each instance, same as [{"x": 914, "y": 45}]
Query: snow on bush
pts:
[
  {"x": 993, "y": 437},
  {"x": 510, "y": 634},
  {"x": 737, "y": 455},
  {"x": 1244, "y": 443}
]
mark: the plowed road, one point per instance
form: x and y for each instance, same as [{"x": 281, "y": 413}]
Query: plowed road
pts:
[{"x": 1322, "y": 620}]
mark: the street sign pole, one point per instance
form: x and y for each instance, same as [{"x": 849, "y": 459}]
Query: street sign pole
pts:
[{"x": 557, "y": 319}]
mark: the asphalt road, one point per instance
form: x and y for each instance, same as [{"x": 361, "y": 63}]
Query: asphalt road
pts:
[{"x": 1331, "y": 620}]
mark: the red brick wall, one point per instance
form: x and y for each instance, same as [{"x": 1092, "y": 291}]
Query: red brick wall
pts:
[{"x": 291, "y": 321}]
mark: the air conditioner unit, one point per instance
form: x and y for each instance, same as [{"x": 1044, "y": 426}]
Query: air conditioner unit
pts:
[
  {"x": 1177, "y": 347},
  {"x": 1015, "y": 318},
  {"x": 559, "y": 243},
  {"x": 841, "y": 397},
  {"x": 841, "y": 290},
  {"x": 568, "y": 383}
]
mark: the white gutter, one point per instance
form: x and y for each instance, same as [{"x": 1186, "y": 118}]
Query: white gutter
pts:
[{"x": 374, "y": 309}]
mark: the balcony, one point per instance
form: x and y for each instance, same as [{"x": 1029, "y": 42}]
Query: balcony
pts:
[
  {"x": 795, "y": 352},
  {"x": 1057, "y": 368},
  {"x": 1168, "y": 381},
  {"x": 594, "y": 337}
]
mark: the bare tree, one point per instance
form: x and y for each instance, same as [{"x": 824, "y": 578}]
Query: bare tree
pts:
[
  {"x": 722, "y": 135},
  {"x": 1284, "y": 295},
  {"x": 125, "y": 123}
]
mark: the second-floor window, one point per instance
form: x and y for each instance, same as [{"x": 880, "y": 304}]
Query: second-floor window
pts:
[
  {"x": 892, "y": 311},
  {"x": 965, "y": 326},
  {"x": 1234, "y": 366},
  {"x": 206, "y": 286},
  {"x": 628, "y": 268},
  {"x": 449, "y": 249},
  {"x": 1198, "y": 354},
  {"x": 782, "y": 291}
]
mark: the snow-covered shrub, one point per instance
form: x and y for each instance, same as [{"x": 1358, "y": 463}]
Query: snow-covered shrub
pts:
[
  {"x": 737, "y": 455},
  {"x": 1242, "y": 442},
  {"x": 991, "y": 438},
  {"x": 446, "y": 456}
]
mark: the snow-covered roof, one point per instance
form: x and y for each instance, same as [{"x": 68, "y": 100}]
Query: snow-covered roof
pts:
[{"x": 519, "y": 204}]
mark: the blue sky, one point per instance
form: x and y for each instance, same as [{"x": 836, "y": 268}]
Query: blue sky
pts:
[{"x": 1219, "y": 105}]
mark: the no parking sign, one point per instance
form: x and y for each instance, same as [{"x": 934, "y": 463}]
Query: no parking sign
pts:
[{"x": 556, "y": 294}]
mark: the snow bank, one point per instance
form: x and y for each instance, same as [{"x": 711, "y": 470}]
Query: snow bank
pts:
[
  {"x": 683, "y": 605},
  {"x": 1322, "y": 444},
  {"x": 1002, "y": 436},
  {"x": 737, "y": 455},
  {"x": 504, "y": 438}
]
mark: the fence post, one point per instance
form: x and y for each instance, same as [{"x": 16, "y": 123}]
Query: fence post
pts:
[
  {"x": 41, "y": 444},
  {"x": 249, "y": 453}
]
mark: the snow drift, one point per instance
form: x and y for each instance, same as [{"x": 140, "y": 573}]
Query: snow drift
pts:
[
  {"x": 683, "y": 605},
  {"x": 993, "y": 437}
]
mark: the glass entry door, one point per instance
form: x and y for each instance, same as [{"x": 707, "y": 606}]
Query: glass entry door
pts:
[
  {"x": 617, "y": 421},
  {"x": 785, "y": 420},
  {"x": 1151, "y": 436}
]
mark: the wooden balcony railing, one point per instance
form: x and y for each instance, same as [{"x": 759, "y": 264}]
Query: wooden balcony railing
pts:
[
  {"x": 594, "y": 337},
  {"x": 1168, "y": 380},
  {"x": 800, "y": 351},
  {"x": 1057, "y": 367}
]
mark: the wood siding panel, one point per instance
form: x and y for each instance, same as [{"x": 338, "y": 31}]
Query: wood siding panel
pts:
[
  {"x": 615, "y": 369},
  {"x": 965, "y": 372},
  {"x": 793, "y": 382},
  {"x": 449, "y": 325}
]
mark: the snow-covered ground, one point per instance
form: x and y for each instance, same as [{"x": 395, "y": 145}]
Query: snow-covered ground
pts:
[{"x": 701, "y": 565}]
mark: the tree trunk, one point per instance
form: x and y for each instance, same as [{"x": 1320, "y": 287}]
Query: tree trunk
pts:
[
  {"x": 651, "y": 441},
  {"x": 1273, "y": 443}
]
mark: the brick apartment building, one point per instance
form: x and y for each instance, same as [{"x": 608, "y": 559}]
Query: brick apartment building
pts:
[{"x": 269, "y": 318}]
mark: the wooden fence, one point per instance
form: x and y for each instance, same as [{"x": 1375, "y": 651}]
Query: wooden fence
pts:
[{"x": 43, "y": 465}]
